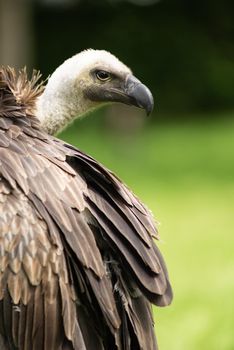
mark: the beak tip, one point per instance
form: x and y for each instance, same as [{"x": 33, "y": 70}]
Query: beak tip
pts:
[
  {"x": 139, "y": 95},
  {"x": 150, "y": 106}
]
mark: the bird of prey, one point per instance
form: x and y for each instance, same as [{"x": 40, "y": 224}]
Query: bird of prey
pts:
[{"x": 79, "y": 266}]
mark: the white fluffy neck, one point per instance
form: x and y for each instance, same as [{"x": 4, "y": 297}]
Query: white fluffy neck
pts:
[
  {"x": 56, "y": 108},
  {"x": 62, "y": 100}
]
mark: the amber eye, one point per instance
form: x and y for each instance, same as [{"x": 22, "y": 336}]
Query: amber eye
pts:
[{"x": 103, "y": 75}]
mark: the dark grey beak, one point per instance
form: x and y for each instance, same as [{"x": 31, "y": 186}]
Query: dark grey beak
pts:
[
  {"x": 138, "y": 94},
  {"x": 129, "y": 91}
]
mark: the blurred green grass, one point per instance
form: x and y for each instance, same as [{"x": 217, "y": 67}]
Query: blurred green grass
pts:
[{"x": 185, "y": 173}]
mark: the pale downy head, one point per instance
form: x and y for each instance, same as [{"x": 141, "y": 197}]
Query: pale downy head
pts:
[{"x": 83, "y": 83}]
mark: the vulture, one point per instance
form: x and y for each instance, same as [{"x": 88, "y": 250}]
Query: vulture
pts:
[{"x": 79, "y": 266}]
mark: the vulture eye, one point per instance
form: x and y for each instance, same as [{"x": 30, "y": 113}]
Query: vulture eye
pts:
[{"x": 103, "y": 75}]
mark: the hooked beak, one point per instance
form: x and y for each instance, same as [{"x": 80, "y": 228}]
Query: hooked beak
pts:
[
  {"x": 129, "y": 91},
  {"x": 138, "y": 94}
]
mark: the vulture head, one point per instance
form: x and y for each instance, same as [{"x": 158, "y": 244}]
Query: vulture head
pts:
[{"x": 85, "y": 82}]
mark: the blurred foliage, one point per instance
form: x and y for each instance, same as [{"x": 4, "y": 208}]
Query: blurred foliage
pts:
[
  {"x": 184, "y": 172},
  {"x": 183, "y": 50}
]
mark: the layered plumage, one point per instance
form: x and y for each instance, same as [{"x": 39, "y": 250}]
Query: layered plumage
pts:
[{"x": 79, "y": 268}]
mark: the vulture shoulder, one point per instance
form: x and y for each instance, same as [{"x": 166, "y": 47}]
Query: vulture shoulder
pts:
[{"x": 78, "y": 263}]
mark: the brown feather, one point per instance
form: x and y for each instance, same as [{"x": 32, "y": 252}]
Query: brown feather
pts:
[{"x": 78, "y": 264}]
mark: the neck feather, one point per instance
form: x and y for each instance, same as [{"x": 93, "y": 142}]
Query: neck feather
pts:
[
  {"x": 62, "y": 100},
  {"x": 56, "y": 111}
]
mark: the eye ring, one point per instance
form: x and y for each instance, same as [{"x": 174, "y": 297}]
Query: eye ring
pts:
[{"x": 102, "y": 75}]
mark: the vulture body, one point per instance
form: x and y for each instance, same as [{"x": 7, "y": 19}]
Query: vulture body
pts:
[{"x": 79, "y": 268}]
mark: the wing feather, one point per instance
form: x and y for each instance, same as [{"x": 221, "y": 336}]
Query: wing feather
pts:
[{"x": 78, "y": 263}]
